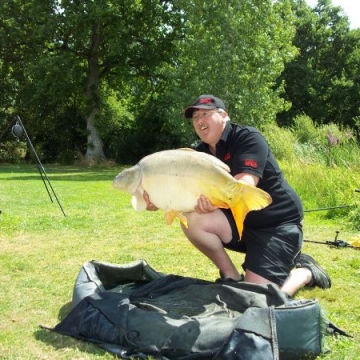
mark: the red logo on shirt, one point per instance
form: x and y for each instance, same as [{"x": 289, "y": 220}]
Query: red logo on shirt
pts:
[
  {"x": 227, "y": 157},
  {"x": 251, "y": 163}
]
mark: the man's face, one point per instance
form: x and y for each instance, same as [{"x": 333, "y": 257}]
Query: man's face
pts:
[{"x": 209, "y": 124}]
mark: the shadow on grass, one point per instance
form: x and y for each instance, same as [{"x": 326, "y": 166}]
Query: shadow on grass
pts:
[
  {"x": 60, "y": 173},
  {"x": 59, "y": 341},
  {"x": 64, "y": 311}
]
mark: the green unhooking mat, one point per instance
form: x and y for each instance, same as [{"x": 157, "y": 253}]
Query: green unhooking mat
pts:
[{"x": 133, "y": 311}]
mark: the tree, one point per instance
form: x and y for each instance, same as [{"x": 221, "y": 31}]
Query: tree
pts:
[
  {"x": 322, "y": 82},
  {"x": 84, "y": 47},
  {"x": 85, "y": 54},
  {"x": 235, "y": 50}
]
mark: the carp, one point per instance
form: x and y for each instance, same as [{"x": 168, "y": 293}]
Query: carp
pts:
[{"x": 175, "y": 179}]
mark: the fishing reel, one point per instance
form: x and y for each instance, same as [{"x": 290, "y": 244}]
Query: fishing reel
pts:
[{"x": 337, "y": 243}]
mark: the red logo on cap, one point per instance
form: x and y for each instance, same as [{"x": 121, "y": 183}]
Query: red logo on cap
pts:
[
  {"x": 251, "y": 163},
  {"x": 205, "y": 101}
]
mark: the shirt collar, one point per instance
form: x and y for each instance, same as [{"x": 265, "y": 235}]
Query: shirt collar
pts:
[
  {"x": 225, "y": 134},
  {"x": 221, "y": 143}
]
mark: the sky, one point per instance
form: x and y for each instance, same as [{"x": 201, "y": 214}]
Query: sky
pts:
[{"x": 351, "y": 9}]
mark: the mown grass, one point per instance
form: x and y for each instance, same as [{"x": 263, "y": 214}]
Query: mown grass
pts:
[{"x": 42, "y": 252}]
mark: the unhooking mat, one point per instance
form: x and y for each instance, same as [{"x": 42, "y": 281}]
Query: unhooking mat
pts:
[{"x": 133, "y": 311}]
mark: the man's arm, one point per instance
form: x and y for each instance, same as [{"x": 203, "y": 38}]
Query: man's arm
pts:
[
  {"x": 149, "y": 205},
  {"x": 247, "y": 178}
]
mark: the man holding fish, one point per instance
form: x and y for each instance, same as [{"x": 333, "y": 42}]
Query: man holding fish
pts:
[{"x": 272, "y": 237}]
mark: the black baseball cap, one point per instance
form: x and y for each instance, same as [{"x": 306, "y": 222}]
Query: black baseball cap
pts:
[{"x": 204, "y": 102}]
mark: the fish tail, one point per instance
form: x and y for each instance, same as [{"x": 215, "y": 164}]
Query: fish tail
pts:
[{"x": 248, "y": 198}]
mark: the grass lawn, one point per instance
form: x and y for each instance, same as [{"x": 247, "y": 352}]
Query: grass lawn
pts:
[{"x": 42, "y": 252}]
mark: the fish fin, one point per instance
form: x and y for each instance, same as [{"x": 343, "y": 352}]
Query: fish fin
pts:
[
  {"x": 138, "y": 202},
  {"x": 170, "y": 216},
  {"x": 187, "y": 149},
  {"x": 183, "y": 219},
  {"x": 220, "y": 204},
  {"x": 250, "y": 198},
  {"x": 239, "y": 213}
]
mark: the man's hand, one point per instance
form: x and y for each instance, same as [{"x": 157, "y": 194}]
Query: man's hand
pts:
[
  {"x": 149, "y": 205},
  {"x": 204, "y": 205}
]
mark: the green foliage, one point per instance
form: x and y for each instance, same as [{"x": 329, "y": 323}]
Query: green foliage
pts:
[
  {"x": 354, "y": 216},
  {"x": 323, "y": 80},
  {"x": 63, "y": 68},
  {"x": 79, "y": 50},
  {"x": 12, "y": 152},
  {"x": 323, "y": 187},
  {"x": 328, "y": 144},
  {"x": 340, "y": 147},
  {"x": 281, "y": 142},
  {"x": 325, "y": 173},
  {"x": 304, "y": 129},
  {"x": 236, "y": 50}
]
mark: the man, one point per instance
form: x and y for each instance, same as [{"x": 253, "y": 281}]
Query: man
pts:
[{"x": 272, "y": 237}]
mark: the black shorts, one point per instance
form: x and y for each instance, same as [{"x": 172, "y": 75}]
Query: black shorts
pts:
[{"x": 270, "y": 252}]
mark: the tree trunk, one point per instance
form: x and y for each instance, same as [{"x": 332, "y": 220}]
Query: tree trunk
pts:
[{"x": 94, "y": 151}]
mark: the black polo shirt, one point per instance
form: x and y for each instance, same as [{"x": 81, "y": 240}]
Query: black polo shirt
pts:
[{"x": 245, "y": 150}]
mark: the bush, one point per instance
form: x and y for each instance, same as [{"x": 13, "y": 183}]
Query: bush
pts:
[
  {"x": 321, "y": 187},
  {"x": 281, "y": 142},
  {"x": 304, "y": 129},
  {"x": 329, "y": 144},
  {"x": 13, "y": 152}
]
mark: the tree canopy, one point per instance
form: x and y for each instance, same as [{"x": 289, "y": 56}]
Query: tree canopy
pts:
[
  {"x": 109, "y": 79},
  {"x": 323, "y": 80}
]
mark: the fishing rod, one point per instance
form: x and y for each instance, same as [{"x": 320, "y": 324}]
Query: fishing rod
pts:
[
  {"x": 335, "y": 243},
  {"x": 333, "y": 207}
]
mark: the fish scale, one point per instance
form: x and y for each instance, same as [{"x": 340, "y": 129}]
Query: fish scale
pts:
[{"x": 175, "y": 179}]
